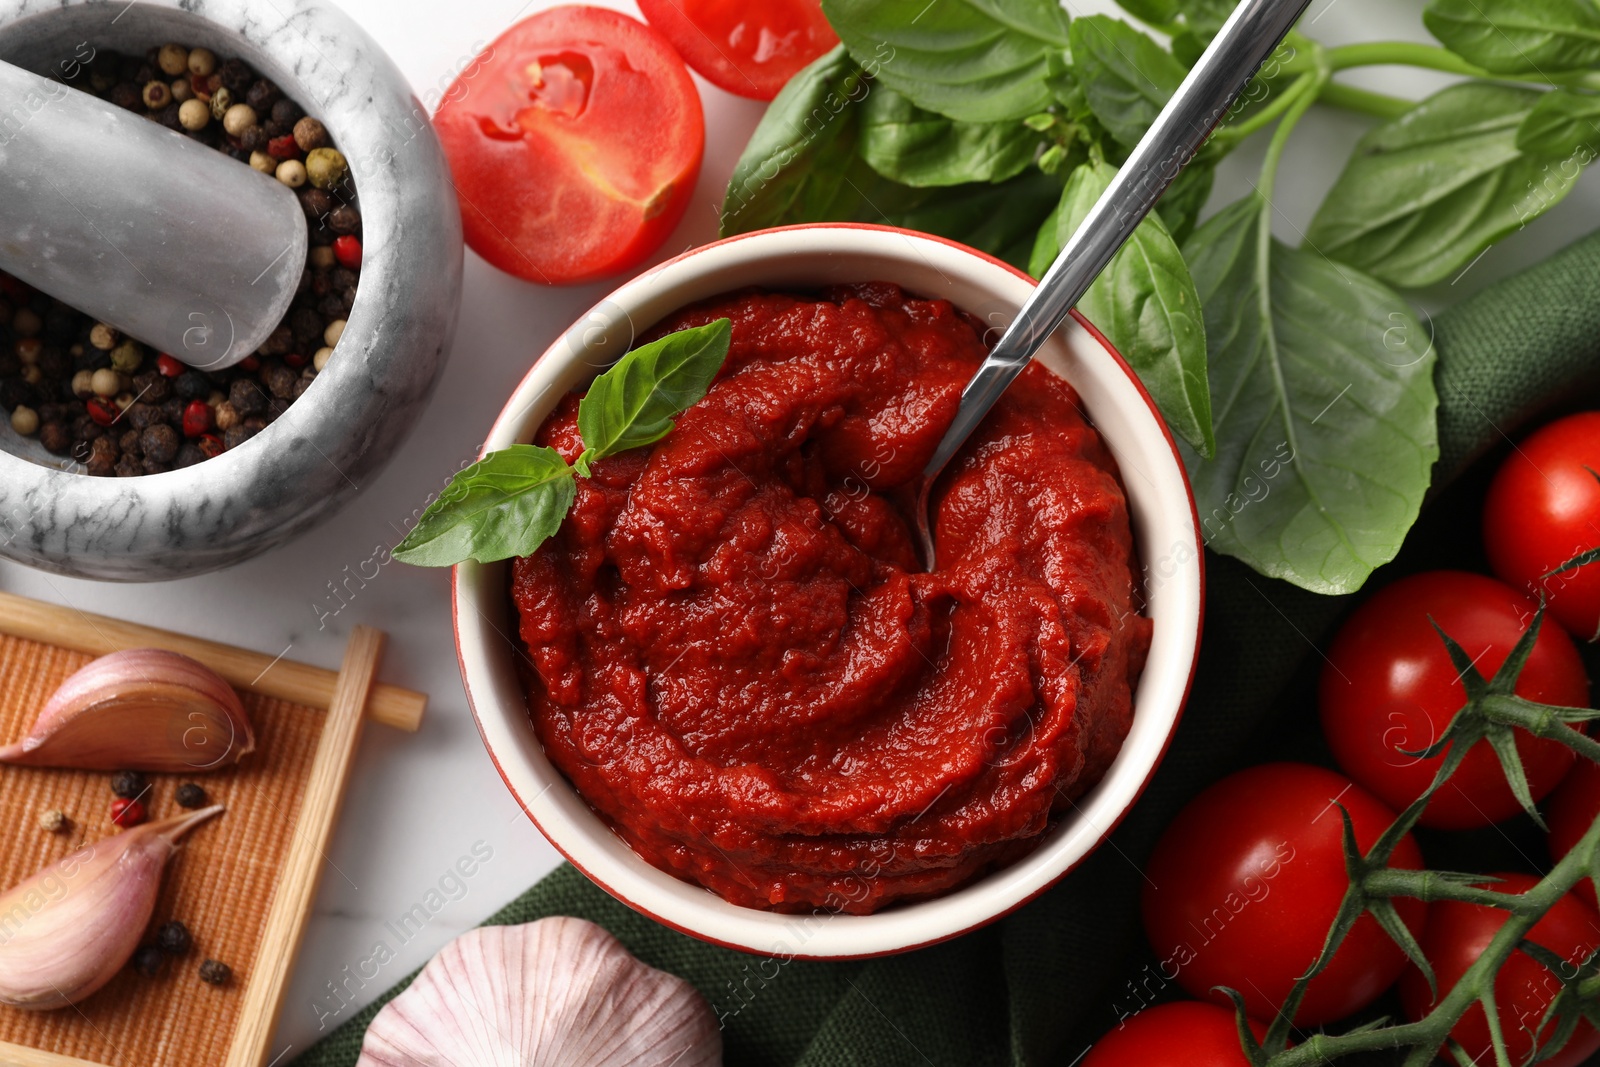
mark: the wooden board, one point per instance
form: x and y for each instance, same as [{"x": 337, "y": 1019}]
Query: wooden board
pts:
[{"x": 243, "y": 882}]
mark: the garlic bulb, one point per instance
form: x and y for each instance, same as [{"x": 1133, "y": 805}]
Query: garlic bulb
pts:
[
  {"x": 68, "y": 929},
  {"x": 144, "y": 710},
  {"x": 552, "y": 993}
]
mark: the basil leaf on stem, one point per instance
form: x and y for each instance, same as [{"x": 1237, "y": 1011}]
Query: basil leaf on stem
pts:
[
  {"x": 1423, "y": 195},
  {"x": 1146, "y": 305},
  {"x": 1000, "y": 219},
  {"x": 1512, "y": 36},
  {"x": 1562, "y": 124},
  {"x": 973, "y": 60},
  {"x": 795, "y": 167},
  {"x": 1125, "y": 75},
  {"x": 504, "y": 505},
  {"x": 1325, "y": 419},
  {"x": 1181, "y": 204},
  {"x": 635, "y": 402},
  {"x": 917, "y": 147}
]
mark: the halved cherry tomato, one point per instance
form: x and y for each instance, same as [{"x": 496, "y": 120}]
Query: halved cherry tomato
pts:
[
  {"x": 1243, "y": 885},
  {"x": 1389, "y": 687},
  {"x": 1543, "y": 509},
  {"x": 1572, "y": 809},
  {"x": 748, "y": 47},
  {"x": 1456, "y": 936},
  {"x": 1185, "y": 1033},
  {"x": 575, "y": 140}
]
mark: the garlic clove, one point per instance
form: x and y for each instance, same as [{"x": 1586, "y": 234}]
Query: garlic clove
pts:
[
  {"x": 144, "y": 710},
  {"x": 551, "y": 993},
  {"x": 68, "y": 929}
]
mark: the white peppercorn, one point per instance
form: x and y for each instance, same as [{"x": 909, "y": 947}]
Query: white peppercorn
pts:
[
  {"x": 263, "y": 162},
  {"x": 173, "y": 59},
  {"x": 335, "y": 330},
  {"x": 103, "y": 336},
  {"x": 320, "y": 360},
  {"x": 83, "y": 384},
  {"x": 202, "y": 61},
  {"x": 292, "y": 173},
  {"x": 194, "y": 115},
  {"x": 25, "y": 421},
  {"x": 238, "y": 118},
  {"x": 105, "y": 382}
]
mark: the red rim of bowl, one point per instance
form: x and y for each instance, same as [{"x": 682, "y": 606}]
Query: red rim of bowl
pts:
[{"x": 1053, "y": 881}]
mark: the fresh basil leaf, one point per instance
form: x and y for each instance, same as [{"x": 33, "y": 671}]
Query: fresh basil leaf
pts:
[
  {"x": 1125, "y": 75},
  {"x": 1513, "y": 36},
  {"x": 1186, "y": 197},
  {"x": 917, "y": 147},
  {"x": 999, "y": 219},
  {"x": 1188, "y": 47},
  {"x": 1562, "y": 124},
  {"x": 1423, "y": 195},
  {"x": 504, "y": 505},
  {"x": 1205, "y": 18},
  {"x": 1146, "y": 305},
  {"x": 973, "y": 60},
  {"x": 793, "y": 169},
  {"x": 635, "y": 402},
  {"x": 1325, "y": 416},
  {"x": 1154, "y": 12}
]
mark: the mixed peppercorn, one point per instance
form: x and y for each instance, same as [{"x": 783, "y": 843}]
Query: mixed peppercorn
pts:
[{"x": 88, "y": 393}]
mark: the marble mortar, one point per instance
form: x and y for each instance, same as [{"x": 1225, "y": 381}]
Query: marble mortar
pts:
[{"x": 334, "y": 439}]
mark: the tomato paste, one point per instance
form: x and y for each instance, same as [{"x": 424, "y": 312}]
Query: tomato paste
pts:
[{"x": 738, "y": 661}]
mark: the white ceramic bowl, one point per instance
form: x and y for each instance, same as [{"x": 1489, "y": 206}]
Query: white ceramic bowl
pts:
[{"x": 1165, "y": 530}]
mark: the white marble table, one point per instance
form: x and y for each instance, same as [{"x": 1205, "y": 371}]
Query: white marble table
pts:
[{"x": 418, "y": 803}]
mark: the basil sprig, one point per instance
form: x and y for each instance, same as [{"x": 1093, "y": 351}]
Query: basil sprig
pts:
[{"x": 510, "y": 501}]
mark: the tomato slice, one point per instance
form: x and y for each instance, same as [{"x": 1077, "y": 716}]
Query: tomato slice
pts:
[
  {"x": 748, "y": 47},
  {"x": 575, "y": 140}
]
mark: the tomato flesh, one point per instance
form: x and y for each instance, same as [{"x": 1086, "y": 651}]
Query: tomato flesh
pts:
[
  {"x": 1457, "y": 935},
  {"x": 575, "y": 141},
  {"x": 1244, "y": 884},
  {"x": 1543, "y": 509},
  {"x": 1389, "y": 687},
  {"x": 751, "y": 49},
  {"x": 1185, "y": 1033}
]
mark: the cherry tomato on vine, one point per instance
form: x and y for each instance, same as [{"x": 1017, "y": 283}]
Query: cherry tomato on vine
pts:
[
  {"x": 748, "y": 48},
  {"x": 1543, "y": 509},
  {"x": 1389, "y": 687},
  {"x": 1571, "y": 810},
  {"x": 1456, "y": 936},
  {"x": 1185, "y": 1033},
  {"x": 574, "y": 140},
  {"x": 1244, "y": 884}
]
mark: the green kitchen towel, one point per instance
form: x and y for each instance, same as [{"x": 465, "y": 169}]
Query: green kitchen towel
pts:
[{"x": 1031, "y": 990}]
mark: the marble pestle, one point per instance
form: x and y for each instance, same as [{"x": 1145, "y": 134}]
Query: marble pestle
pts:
[{"x": 173, "y": 243}]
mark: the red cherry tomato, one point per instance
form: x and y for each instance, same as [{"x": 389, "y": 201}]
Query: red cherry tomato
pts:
[
  {"x": 1456, "y": 936},
  {"x": 575, "y": 141},
  {"x": 1543, "y": 508},
  {"x": 1389, "y": 687},
  {"x": 1572, "y": 809},
  {"x": 1242, "y": 888},
  {"x": 1185, "y": 1033},
  {"x": 751, "y": 49}
]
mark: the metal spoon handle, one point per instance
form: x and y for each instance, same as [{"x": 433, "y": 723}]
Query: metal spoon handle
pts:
[{"x": 1215, "y": 82}]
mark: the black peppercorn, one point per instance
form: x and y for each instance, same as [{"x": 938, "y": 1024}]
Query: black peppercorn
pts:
[
  {"x": 190, "y": 795},
  {"x": 236, "y": 76},
  {"x": 286, "y": 112},
  {"x": 307, "y": 326},
  {"x": 153, "y": 466},
  {"x": 188, "y": 456},
  {"x": 246, "y": 397},
  {"x": 84, "y": 428},
  {"x": 142, "y": 416},
  {"x": 278, "y": 378},
  {"x": 262, "y": 95},
  {"x": 253, "y": 139},
  {"x": 148, "y": 960},
  {"x": 10, "y": 365},
  {"x": 55, "y": 437},
  {"x": 160, "y": 443},
  {"x": 344, "y": 219},
  {"x": 234, "y": 436},
  {"x": 174, "y": 938},
  {"x": 191, "y": 385},
  {"x": 302, "y": 385},
  {"x": 129, "y": 785},
  {"x": 129, "y": 443},
  {"x": 279, "y": 342},
  {"x": 172, "y": 410},
  {"x": 215, "y": 972},
  {"x": 129, "y": 466},
  {"x": 127, "y": 95}
]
